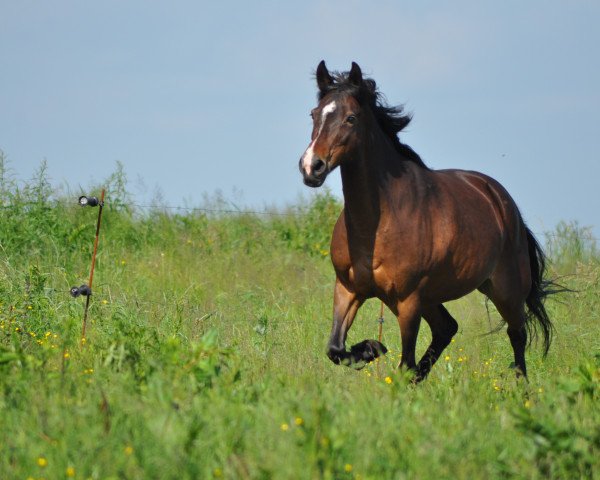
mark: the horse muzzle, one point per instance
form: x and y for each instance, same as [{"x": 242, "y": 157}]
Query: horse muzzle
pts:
[{"x": 315, "y": 174}]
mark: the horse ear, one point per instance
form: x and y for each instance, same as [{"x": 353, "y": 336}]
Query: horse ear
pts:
[
  {"x": 324, "y": 80},
  {"x": 355, "y": 75}
]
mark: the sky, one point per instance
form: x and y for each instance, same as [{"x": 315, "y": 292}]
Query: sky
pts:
[{"x": 196, "y": 97}]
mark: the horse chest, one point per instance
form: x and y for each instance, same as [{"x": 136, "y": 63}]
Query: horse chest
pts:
[
  {"x": 365, "y": 265},
  {"x": 368, "y": 277}
]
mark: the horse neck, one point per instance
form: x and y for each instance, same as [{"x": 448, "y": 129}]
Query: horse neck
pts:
[{"x": 367, "y": 182}]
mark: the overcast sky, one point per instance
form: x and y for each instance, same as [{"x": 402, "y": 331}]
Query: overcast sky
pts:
[{"x": 194, "y": 97}]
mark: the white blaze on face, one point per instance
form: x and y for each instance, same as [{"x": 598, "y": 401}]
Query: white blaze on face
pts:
[{"x": 309, "y": 154}]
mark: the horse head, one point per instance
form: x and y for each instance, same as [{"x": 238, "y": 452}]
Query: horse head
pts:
[{"x": 337, "y": 124}]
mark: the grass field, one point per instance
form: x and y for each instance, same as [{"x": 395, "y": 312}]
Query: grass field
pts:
[{"x": 205, "y": 358}]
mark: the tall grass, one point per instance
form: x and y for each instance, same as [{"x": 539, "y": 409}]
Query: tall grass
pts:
[{"x": 205, "y": 356}]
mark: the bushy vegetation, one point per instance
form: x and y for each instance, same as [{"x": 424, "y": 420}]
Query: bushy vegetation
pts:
[{"x": 204, "y": 355}]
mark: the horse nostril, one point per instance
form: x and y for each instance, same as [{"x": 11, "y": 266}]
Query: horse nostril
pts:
[{"x": 318, "y": 166}]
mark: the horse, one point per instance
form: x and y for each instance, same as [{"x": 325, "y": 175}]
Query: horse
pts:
[{"x": 415, "y": 237}]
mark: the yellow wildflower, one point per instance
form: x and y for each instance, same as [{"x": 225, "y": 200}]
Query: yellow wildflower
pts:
[
  {"x": 348, "y": 468},
  {"x": 70, "y": 472},
  {"x": 298, "y": 421},
  {"x": 388, "y": 380},
  {"x": 284, "y": 427},
  {"x": 128, "y": 450},
  {"x": 42, "y": 462}
]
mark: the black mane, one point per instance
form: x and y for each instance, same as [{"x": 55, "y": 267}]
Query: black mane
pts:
[{"x": 391, "y": 119}]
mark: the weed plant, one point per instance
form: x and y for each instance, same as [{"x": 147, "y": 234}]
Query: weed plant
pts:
[{"x": 205, "y": 355}]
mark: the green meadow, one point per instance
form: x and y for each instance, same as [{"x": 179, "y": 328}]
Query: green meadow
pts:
[{"x": 205, "y": 354}]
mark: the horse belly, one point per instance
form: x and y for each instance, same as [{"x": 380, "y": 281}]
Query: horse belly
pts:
[
  {"x": 438, "y": 292},
  {"x": 452, "y": 280}
]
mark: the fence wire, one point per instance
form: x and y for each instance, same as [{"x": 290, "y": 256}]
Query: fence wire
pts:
[
  {"x": 159, "y": 207},
  {"x": 230, "y": 211}
]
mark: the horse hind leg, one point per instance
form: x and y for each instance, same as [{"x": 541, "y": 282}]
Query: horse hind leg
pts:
[
  {"x": 510, "y": 303},
  {"x": 443, "y": 327},
  {"x": 514, "y": 315}
]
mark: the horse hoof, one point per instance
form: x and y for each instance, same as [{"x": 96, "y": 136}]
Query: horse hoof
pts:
[
  {"x": 359, "y": 354},
  {"x": 367, "y": 351}
]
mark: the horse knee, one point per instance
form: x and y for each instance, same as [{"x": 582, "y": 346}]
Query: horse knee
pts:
[
  {"x": 443, "y": 325},
  {"x": 452, "y": 327}
]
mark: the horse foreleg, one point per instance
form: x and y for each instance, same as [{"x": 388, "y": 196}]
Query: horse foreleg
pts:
[
  {"x": 443, "y": 328},
  {"x": 345, "y": 306}
]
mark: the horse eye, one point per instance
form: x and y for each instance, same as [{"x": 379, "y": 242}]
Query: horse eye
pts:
[
  {"x": 351, "y": 119},
  {"x": 312, "y": 114}
]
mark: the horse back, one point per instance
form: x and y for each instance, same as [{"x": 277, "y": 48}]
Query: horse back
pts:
[{"x": 478, "y": 202}]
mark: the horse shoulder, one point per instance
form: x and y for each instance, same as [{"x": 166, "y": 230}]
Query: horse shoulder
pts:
[{"x": 340, "y": 254}]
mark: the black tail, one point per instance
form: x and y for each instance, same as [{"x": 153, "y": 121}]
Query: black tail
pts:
[{"x": 540, "y": 289}]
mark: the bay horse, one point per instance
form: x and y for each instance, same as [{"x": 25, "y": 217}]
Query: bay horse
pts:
[{"x": 412, "y": 236}]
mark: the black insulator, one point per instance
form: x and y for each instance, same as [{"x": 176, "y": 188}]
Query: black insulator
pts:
[
  {"x": 88, "y": 201},
  {"x": 83, "y": 290}
]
